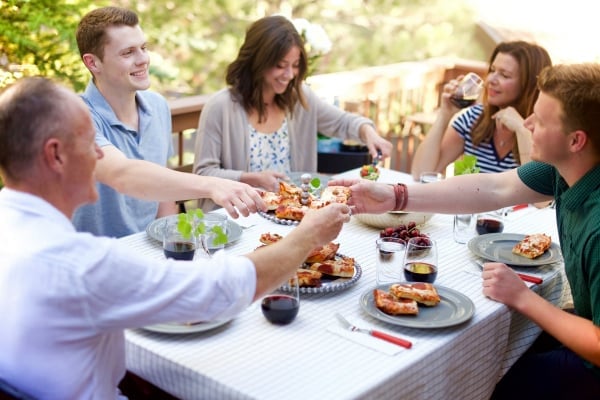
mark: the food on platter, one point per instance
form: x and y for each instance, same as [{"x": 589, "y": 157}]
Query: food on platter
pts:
[
  {"x": 322, "y": 263},
  {"x": 533, "y": 246},
  {"x": 392, "y": 305},
  {"x": 308, "y": 278},
  {"x": 370, "y": 172},
  {"x": 288, "y": 202},
  {"x": 341, "y": 266},
  {"x": 421, "y": 292}
]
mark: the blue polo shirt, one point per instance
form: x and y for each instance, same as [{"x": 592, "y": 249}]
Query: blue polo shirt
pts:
[
  {"x": 115, "y": 214},
  {"x": 577, "y": 216}
]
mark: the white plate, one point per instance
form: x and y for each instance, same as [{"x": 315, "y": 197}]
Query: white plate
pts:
[
  {"x": 497, "y": 247},
  {"x": 332, "y": 284},
  {"x": 453, "y": 309},
  {"x": 155, "y": 228},
  {"x": 180, "y": 328}
]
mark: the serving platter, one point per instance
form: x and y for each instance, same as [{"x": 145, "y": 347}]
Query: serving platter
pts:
[
  {"x": 331, "y": 284},
  {"x": 155, "y": 230},
  {"x": 454, "y": 308},
  {"x": 497, "y": 247}
]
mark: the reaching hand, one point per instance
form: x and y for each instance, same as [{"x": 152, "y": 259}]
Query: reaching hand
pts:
[
  {"x": 324, "y": 224},
  {"x": 237, "y": 198},
  {"x": 267, "y": 180},
  {"x": 367, "y": 196}
]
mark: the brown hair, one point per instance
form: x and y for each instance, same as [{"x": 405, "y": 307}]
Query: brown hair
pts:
[
  {"x": 531, "y": 58},
  {"x": 267, "y": 42},
  {"x": 577, "y": 88},
  {"x": 30, "y": 114},
  {"x": 91, "y": 32}
]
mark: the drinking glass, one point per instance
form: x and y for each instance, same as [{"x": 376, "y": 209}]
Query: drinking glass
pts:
[
  {"x": 178, "y": 245},
  {"x": 463, "y": 229},
  {"x": 490, "y": 222},
  {"x": 421, "y": 260},
  {"x": 388, "y": 260},
  {"x": 210, "y": 236},
  {"x": 281, "y": 306},
  {"x": 468, "y": 90},
  {"x": 428, "y": 177}
]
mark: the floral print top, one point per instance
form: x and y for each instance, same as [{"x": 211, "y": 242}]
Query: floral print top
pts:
[{"x": 270, "y": 151}]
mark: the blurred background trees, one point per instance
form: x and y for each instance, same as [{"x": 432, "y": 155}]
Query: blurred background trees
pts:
[{"x": 192, "y": 42}]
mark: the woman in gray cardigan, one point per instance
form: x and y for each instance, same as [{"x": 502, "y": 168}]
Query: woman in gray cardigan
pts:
[{"x": 265, "y": 124}]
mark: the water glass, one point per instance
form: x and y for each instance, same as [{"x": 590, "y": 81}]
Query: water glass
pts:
[
  {"x": 388, "y": 260},
  {"x": 212, "y": 220},
  {"x": 464, "y": 227},
  {"x": 428, "y": 177},
  {"x": 281, "y": 306}
]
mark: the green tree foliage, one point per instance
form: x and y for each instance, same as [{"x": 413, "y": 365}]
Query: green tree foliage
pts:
[
  {"x": 192, "y": 42},
  {"x": 37, "y": 38}
]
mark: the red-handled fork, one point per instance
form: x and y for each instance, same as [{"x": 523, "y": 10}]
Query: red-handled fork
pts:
[{"x": 372, "y": 332}]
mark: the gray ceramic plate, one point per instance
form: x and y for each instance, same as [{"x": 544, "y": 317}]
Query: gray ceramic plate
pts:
[
  {"x": 453, "y": 309},
  {"x": 497, "y": 247},
  {"x": 155, "y": 228}
]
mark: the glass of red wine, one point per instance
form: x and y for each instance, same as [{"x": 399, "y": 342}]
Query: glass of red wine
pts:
[
  {"x": 421, "y": 260},
  {"x": 281, "y": 306},
  {"x": 490, "y": 222},
  {"x": 176, "y": 244},
  {"x": 468, "y": 90}
]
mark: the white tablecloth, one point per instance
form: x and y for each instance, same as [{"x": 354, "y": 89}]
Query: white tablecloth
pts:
[{"x": 249, "y": 358}]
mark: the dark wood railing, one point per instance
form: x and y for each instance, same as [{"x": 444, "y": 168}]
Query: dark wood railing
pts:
[{"x": 400, "y": 98}]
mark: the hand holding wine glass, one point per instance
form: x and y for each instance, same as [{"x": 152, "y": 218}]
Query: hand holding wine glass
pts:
[{"x": 468, "y": 90}]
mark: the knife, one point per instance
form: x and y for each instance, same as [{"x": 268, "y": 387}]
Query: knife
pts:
[
  {"x": 524, "y": 277},
  {"x": 372, "y": 332}
]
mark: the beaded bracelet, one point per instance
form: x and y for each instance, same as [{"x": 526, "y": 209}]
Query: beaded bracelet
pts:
[{"x": 401, "y": 193}]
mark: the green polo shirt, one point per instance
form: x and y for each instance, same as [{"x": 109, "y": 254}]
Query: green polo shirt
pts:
[{"x": 578, "y": 221}]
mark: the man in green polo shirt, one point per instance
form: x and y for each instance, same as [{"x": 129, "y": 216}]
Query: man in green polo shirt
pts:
[{"x": 565, "y": 128}]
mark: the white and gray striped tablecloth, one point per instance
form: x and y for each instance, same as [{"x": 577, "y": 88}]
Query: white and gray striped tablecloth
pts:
[{"x": 248, "y": 358}]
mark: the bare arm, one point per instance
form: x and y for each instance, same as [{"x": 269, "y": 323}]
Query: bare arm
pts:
[
  {"x": 279, "y": 261},
  {"x": 442, "y": 144},
  {"x": 149, "y": 181},
  {"x": 500, "y": 283},
  {"x": 461, "y": 194},
  {"x": 374, "y": 142}
]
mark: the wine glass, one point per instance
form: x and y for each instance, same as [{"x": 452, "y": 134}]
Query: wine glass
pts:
[
  {"x": 281, "y": 306},
  {"x": 421, "y": 260},
  {"x": 490, "y": 222},
  {"x": 468, "y": 90},
  {"x": 177, "y": 244}
]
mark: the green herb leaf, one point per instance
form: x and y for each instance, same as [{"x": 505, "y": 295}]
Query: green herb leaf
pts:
[
  {"x": 466, "y": 165},
  {"x": 315, "y": 183},
  {"x": 220, "y": 236}
]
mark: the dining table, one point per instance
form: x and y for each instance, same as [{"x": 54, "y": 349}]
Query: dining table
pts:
[{"x": 315, "y": 358}]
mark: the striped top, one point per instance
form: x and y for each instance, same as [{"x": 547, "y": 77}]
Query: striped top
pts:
[{"x": 487, "y": 156}]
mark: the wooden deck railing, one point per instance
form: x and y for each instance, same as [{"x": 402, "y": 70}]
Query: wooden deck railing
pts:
[{"x": 399, "y": 98}]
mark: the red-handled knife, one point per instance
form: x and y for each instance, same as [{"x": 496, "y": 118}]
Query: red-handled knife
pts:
[
  {"x": 377, "y": 334},
  {"x": 529, "y": 278}
]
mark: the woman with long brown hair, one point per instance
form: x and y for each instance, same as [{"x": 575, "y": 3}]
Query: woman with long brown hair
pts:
[
  {"x": 264, "y": 125},
  {"x": 493, "y": 130}
]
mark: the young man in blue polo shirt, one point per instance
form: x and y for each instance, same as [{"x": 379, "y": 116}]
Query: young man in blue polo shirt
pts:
[
  {"x": 133, "y": 128},
  {"x": 566, "y": 146}
]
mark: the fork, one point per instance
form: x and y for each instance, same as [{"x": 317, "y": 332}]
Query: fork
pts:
[{"x": 372, "y": 332}]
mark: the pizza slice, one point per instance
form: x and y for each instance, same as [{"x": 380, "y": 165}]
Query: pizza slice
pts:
[
  {"x": 533, "y": 246},
  {"x": 290, "y": 212},
  {"x": 394, "y": 306},
  {"x": 340, "y": 266},
  {"x": 323, "y": 253},
  {"x": 308, "y": 278},
  {"x": 422, "y": 292},
  {"x": 335, "y": 194},
  {"x": 269, "y": 238},
  {"x": 272, "y": 200},
  {"x": 287, "y": 190}
]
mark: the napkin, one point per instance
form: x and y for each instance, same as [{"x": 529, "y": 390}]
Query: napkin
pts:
[{"x": 369, "y": 341}]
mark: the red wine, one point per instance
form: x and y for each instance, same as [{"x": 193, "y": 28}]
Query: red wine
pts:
[
  {"x": 420, "y": 272},
  {"x": 488, "y": 225},
  {"x": 462, "y": 102},
  {"x": 280, "y": 309},
  {"x": 179, "y": 250}
]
